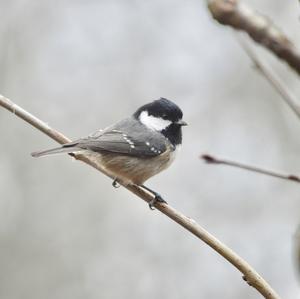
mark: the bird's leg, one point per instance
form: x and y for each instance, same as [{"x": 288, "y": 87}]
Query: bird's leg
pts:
[
  {"x": 157, "y": 197},
  {"x": 115, "y": 183}
]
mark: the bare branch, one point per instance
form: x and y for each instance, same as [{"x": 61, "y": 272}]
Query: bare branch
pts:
[
  {"x": 297, "y": 250},
  {"x": 260, "y": 29},
  {"x": 286, "y": 95},
  {"x": 249, "y": 274},
  {"x": 213, "y": 160},
  {"x": 34, "y": 121}
]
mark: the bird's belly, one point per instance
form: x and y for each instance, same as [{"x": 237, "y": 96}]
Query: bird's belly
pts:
[{"x": 132, "y": 170}]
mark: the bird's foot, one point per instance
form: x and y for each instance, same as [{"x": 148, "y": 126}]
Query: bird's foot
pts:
[
  {"x": 116, "y": 184},
  {"x": 157, "y": 198}
]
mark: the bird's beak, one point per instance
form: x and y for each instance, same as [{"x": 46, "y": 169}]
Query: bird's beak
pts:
[{"x": 182, "y": 123}]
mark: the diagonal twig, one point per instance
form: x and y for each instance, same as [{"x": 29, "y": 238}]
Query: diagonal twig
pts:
[
  {"x": 286, "y": 95},
  {"x": 214, "y": 160},
  {"x": 260, "y": 28},
  {"x": 249, "y": 274}
]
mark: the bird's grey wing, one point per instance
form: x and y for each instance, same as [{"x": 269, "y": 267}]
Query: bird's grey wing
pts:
[{"x": 134, "y": 141}]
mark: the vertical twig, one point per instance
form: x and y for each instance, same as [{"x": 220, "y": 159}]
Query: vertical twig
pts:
[{"x": 286, "y": 95}]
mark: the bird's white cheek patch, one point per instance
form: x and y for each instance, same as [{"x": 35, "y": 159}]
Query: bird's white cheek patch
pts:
[{"x": 154, "y": 123}]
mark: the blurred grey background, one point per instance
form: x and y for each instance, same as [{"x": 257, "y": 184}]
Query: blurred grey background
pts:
[{"x": 65, "y": 232}]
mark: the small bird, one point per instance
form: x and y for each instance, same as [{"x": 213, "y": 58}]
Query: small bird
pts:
[{"x": 135, "y": 148}]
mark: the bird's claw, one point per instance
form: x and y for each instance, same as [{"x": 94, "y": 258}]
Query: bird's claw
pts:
[
  {"x": 116, "y": 184},
  {"x": 157, "y": 198}
]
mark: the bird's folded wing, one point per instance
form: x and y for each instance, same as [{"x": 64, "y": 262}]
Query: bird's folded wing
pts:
[{"x": 145, "y": 144}]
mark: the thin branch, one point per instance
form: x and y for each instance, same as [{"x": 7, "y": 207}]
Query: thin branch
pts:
[
  {"x": 249, "y": 274},
  {"x": 213, "y": 160},
  {"x": 286, "y": 95},
  {"x": 260, "y": 28},
  {"x": 297, "y": 250}
]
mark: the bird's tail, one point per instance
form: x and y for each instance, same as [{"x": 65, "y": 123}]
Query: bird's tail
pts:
[{"x": 57, "y": 150}]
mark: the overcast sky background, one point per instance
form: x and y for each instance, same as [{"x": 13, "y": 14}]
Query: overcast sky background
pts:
[{"x": 65, "y": 232}]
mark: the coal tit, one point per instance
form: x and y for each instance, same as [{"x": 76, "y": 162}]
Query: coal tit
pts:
[{"x": 135, "y": 148}]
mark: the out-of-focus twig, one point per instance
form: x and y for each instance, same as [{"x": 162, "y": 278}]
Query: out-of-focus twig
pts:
[
  {"x": 297, "y": 250},
  {"x": 213, "y": 160},
  {"x": 260, "y": 28},
  {"x": 286, "y": 95},
  {"x": 249, "y": 274}
]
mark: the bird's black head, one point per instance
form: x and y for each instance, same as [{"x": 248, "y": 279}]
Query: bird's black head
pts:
[{"x": 163, "y": 116}]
